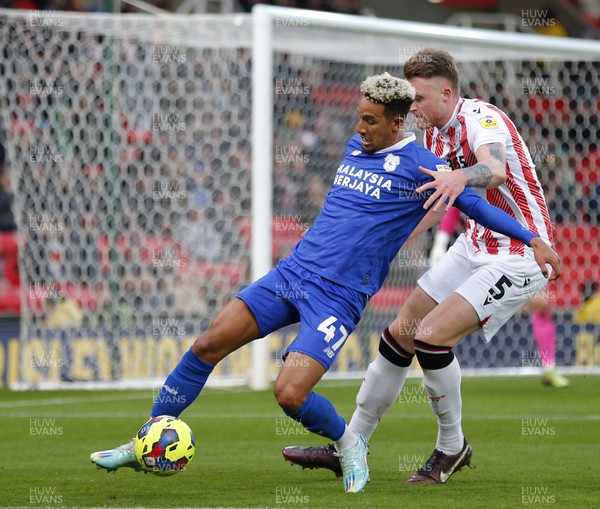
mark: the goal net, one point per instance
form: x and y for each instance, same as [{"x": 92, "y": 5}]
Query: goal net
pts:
[{"x": 146, "y": 156}]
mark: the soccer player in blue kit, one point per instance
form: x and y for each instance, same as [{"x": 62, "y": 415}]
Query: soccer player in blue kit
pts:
[{"x": 370, "y": 211}]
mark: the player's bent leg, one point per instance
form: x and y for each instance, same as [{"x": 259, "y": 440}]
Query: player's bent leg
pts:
[
  {"x": 294, "y": 393},
  {"x": 296, "y": 379},
  {"x": 291, "y": 397},
  {"x": 387, "y": 373},
  {"x": 381, "y": 385},
  {"x": 404, "y": 328},
  {"x": 448, "y": 322},
  {"x": 439, "y": 331},
  {"x": 383, "y": 381},
  {"x": 233, "y": 327}
]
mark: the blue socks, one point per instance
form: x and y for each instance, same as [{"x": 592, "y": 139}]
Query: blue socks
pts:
[
  {"x": 186, "y": 381},
  {"x": 182, "y": 386},
  {"x": 318, "y": 415}
]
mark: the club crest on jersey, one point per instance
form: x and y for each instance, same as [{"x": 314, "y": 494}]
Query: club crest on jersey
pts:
[
  {"x": 391, "y": 162},
  {"x": 442, "y": 167},
  {"x": 488, "y": 122}
]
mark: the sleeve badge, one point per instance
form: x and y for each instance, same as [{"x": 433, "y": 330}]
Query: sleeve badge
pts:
[{"x": 488, "y": 122}]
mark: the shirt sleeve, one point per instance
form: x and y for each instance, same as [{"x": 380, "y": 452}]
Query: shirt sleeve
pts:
[
  {"x": 492, "y": 217},
  {"x": 484, "y": 128}
]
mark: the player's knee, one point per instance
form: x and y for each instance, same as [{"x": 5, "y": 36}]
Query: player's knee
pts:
[
  {"x": 435, "y": 336},
  {"x": 429, "y": 338},
  {"x": 408, "y": 324},
  {"x": 288, "y": 398}
]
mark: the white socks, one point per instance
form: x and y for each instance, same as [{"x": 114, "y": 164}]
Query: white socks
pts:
[
  {"x": 347, "y": 440},
  {"x": 381, "y": 386},
  {"x": 443, "y": 389}
]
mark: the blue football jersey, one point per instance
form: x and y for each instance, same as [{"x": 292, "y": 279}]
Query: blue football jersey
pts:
[{"x": 370, "y": 211}]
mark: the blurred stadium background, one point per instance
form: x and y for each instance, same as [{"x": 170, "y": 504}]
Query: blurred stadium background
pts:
[{"x": 126, "y": 191}]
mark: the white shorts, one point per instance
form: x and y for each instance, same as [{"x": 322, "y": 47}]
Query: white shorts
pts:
[{"x": 495, "y": 285}]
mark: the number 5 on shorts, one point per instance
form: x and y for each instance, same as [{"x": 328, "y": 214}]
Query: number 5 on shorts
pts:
[{"x": 498, "y": 291}]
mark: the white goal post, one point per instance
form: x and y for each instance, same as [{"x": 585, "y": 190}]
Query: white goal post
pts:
[{"x": 130, "y": 145}]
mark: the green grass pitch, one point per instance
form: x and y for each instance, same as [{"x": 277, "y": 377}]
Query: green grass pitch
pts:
[{"x": 533, "y": 447}]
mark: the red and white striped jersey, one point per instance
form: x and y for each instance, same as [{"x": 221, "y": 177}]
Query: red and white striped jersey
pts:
[{"x": 475, "y": 123}]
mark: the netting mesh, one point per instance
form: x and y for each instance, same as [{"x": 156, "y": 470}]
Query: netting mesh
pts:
[
  {"x": 130, "y": 159},
  {"x": 131, "y": 174}
]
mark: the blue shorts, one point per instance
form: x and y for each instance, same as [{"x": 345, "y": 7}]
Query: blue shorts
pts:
[{"x": 328, "y": 313}]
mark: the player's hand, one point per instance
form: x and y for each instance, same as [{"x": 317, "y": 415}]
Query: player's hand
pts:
[
  {"x": 544, "y": 254},
  {"x": 448, "y": 186}
]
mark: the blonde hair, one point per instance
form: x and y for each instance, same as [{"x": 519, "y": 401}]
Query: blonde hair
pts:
[{"x": 394, "y": 93}]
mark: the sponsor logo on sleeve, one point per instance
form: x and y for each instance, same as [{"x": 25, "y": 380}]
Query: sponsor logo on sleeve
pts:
[{"x": 488, "y": 122}]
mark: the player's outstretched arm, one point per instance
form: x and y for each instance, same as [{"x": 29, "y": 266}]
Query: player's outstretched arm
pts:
[
  {"x": 499, "y": 221},
  {"x": 432, "y": 218}
]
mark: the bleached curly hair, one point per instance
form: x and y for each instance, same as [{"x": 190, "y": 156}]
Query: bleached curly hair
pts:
[{"x": 395, "y": 93}]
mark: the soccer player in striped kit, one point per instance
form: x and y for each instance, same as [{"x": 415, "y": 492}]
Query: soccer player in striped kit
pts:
[
  {"x": 482, "y": 280},
  {"x": 543, "y": 328}
]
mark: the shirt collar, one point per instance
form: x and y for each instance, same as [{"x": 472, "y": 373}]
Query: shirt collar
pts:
[
  {"x": 408, "y": 137},
  {"x": 454, "y": 115}
]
